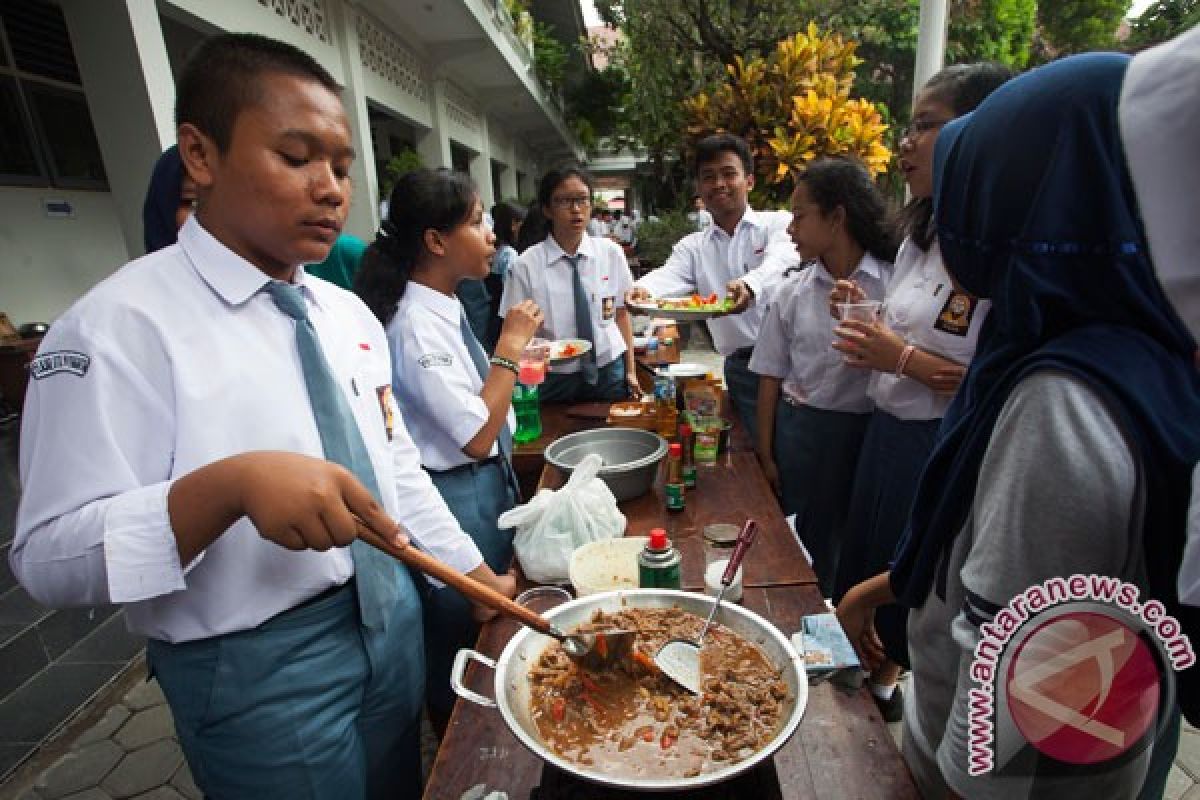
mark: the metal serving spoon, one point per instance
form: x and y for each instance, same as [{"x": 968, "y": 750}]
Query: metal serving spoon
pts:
[
  {"x": 593, "y": 651},
  {"x": 679, "y": 659}
]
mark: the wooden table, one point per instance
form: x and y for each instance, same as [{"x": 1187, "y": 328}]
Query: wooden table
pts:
[{"x": 842, "y": 748}]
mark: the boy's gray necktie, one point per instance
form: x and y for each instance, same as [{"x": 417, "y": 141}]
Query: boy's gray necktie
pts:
[
  {"x": 375, "y": 573},
  {"x": 504, "y": 441},
  {"x": 583, "y": 321}
]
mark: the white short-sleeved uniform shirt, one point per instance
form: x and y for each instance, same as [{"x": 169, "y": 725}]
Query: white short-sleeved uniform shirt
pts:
[
  {"x": 177, "y": 360},
  {"x": 543, "y": 274},
  {"x": 923, "y": 307},
  {"x": 758, "y": 252},
  {"x": 435, "y": 380},
  {"x": 796, "y": 342}
]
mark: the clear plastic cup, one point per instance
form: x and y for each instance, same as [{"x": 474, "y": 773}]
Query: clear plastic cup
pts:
[
  {"x": 860, "y": 312},
  {"x": 533, "y": 362}
]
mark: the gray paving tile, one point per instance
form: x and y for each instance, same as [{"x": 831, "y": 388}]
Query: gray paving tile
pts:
[
  {"x": 9, "y": 631},
  {"x": 13, "y": 754},
  {"x": 161, "y": 793},
  {"x": 1188, "y": 754},
  {"x": 113, "y": 719},
  {"x": 147, "y": 693},
  {"x": 64, "y": 628},
  {"x": 1178, "y": 783},
  {"x": 18, "y": 608},
  {"x": 112, "y": 641},
  {"x": 21, "y": 657},
  {"x": 144, "y": 770},
  {"x": 146, "y": 726},
  {"x": 41, "y": 705},
  {"x": 1192, "y": 793},
  {"x": 79, "y": 770},
  {"x": 90, "y": 794},
  {"x": 185, "y": 785}
]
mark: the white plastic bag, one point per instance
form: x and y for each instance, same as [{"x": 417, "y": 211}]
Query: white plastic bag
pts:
[{"x": 552, "y": 524}]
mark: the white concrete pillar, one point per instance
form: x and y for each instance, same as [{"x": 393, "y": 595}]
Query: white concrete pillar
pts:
[
  {"x": 434, "y": 146},
  {"x": 931, "y": 42},
  {"x": 126, "y": 75},
  {"x": 481, "y": 166},
  {"x": 364, "y": 209},
  {"x": 508, "y": 183}
]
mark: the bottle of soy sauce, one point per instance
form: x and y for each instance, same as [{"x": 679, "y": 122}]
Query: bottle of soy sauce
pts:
[{"x": 659, "y": 563}]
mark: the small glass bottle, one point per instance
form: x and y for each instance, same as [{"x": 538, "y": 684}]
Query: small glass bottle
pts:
[
  {"x": 659, "y": 563},
  {"x": 673, "y": 487},
  {"x": 688, "y": 442}
]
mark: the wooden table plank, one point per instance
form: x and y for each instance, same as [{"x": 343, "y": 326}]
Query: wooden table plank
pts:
[{"x": 842, "y": 748}]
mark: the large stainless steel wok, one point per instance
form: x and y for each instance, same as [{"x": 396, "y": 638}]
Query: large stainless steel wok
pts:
[{"x": 512, "y": 689}]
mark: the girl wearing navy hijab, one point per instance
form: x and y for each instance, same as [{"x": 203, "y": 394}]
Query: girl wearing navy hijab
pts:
[
  {"x": 1068, "y": 449},
  {"x": 170, "y": 199}
]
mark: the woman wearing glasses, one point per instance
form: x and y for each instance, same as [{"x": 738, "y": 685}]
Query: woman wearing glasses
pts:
[
  {"x": 917, "y": 353},
  {"x": 579, "y": 282}
]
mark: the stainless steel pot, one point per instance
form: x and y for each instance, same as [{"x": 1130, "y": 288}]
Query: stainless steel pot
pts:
[
  {"x": 512, "y": 686},
  {"x": 630, "y": 457}
]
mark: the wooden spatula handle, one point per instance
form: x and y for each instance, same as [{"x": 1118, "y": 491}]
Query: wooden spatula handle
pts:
[{"x": 470, "y": 587}]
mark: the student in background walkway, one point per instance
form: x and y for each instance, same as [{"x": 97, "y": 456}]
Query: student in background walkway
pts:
[
  {"x": 813, "y": 406},
  {"x": 170, "y": 200},
  {"x": 742, "y": 255},
  {"x": 928, "y": 312}
]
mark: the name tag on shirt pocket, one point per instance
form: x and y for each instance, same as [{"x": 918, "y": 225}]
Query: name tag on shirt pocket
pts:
[{"x": 608, "y": 307}]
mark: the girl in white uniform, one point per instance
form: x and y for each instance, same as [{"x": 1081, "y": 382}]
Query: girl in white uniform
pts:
[
  {"x": 580, "y": 282},
  {"x": 455, "y": 401},
  {"x": 915, "y": 357},
  {"x": 812, "y": 406}
]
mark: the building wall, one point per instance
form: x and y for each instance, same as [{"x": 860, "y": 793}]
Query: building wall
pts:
[{"x": 49, "y": 262}]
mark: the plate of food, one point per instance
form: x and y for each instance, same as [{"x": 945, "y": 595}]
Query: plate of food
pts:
[
  {"x": 567, "y": 350},
  {"x": 686, "y": 308}
]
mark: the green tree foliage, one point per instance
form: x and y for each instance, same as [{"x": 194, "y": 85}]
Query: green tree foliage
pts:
[
  {"x": 1163, "y": 20},
  {"x": 549, "y": 56},
  {"x": 595, "y": 107},
  {"x": 1073, "y": 26}
]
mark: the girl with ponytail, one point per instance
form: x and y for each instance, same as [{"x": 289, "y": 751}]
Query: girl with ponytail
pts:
[{"x": 456, "y": 403}]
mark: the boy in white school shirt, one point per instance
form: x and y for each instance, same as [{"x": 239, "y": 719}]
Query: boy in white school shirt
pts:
[
  {"x": 743, "y": 254},
  {"x": 176, "y": 460}
]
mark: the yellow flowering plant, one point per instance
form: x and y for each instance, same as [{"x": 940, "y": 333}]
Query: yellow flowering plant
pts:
[{"x": 793, "y": 106}]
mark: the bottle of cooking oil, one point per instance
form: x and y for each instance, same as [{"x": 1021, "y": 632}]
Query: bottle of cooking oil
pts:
[{"x": 664, "y": 405}]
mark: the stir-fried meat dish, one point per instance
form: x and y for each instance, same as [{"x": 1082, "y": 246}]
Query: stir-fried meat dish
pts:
[{"x": 632, "y": 721}]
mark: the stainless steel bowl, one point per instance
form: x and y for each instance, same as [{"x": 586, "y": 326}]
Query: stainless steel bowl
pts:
[
  {"x": 630, "y": 457},
  {"x": 512, "y": 690}
]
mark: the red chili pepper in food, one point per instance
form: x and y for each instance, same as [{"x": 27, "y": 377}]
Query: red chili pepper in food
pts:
[
  {"x": 645, "y": 660},
  {"x": 602, "y": 645},
  {"x": 668, "y": 738},
  {"x": 712, "y": 299},
  {"x": 588, "y": 683},
  {"x": 591, "y": 701},
  {"x": 647, "y": 733},
  {"x": 558, "y": 709}
]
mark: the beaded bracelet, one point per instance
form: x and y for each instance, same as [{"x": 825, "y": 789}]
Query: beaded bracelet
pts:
[
  {"x": 506, "y": 363},
  {"x": 905, "y": 355}
]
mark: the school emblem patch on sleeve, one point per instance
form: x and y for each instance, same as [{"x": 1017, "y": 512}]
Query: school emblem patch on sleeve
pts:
[
  {"x": 58, "y": 361},
  {"x": 956, "y": 314}
]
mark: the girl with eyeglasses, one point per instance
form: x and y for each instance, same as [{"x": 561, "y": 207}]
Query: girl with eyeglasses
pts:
[
  {"x": 916, "y": 355},
  {"x": 579, "y": 281}
]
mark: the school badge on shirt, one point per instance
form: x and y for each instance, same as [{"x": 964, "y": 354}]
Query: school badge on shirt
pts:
[
  {"x": 955, "y": 316},
  {"x": 387, "y": 408}
]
